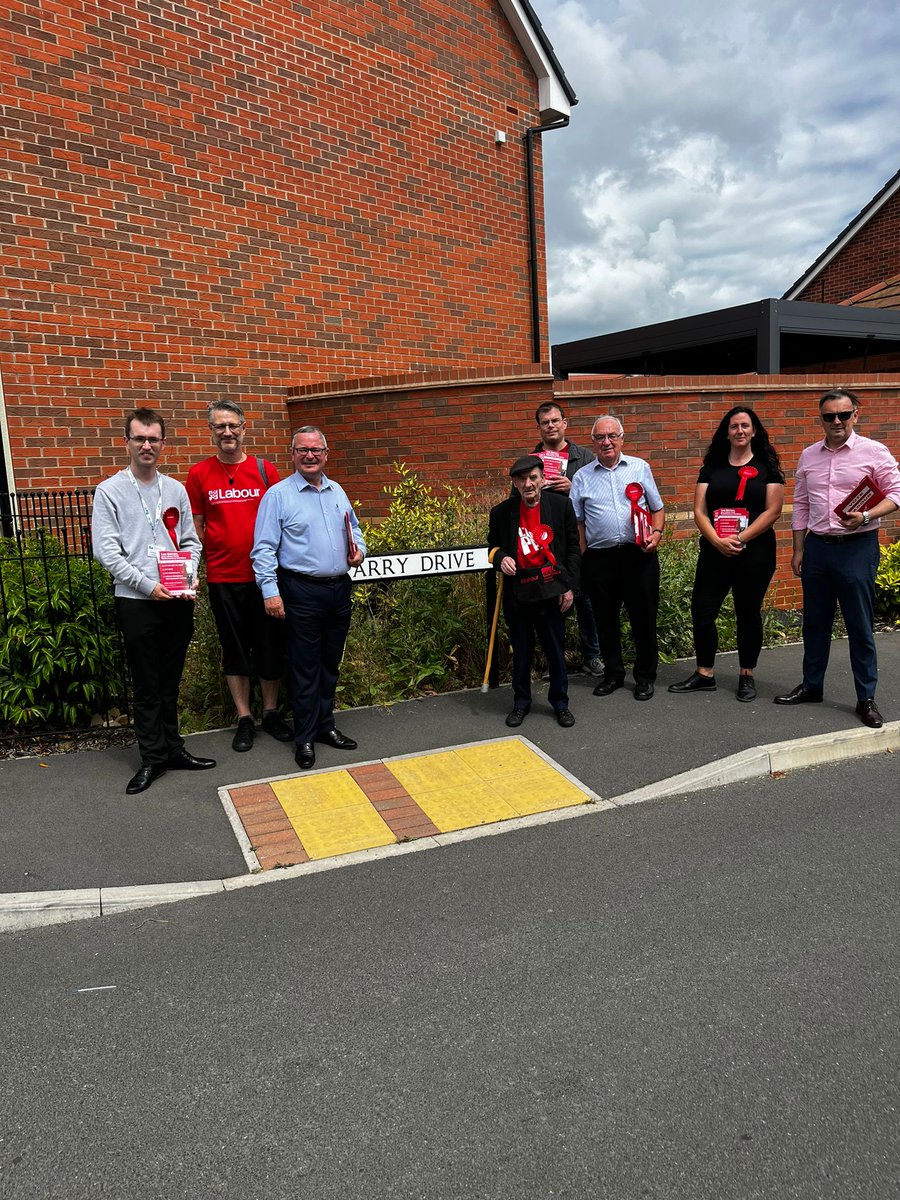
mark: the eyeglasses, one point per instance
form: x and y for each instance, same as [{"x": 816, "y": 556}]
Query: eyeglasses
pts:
[
  {"x": 315, "y": 451},
  {"x": 227, "y": 428},
  {"x": 140, "y": 441},
  {"x": 605, "y": 437},
  {"x": 830, "y": 418}
]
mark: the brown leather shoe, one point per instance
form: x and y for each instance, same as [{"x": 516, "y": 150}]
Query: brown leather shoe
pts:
[{"x": 869, "y": 714}]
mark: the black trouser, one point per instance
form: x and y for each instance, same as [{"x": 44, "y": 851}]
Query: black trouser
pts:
[
  {"x": 318, "y": 618},
  {"x": 624, "y": 575},
  {"x": 747, "y": 576},
  {"x": 543, "y": 620},
  {"x": 156, "y": 634}
]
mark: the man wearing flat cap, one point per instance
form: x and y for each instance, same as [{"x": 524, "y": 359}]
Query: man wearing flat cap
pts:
[{"x": 533, "y": 542}]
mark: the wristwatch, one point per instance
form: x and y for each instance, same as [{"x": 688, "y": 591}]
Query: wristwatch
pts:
[{"x": 865, "y": 519}]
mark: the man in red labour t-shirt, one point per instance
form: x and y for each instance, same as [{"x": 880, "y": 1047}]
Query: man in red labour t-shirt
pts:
[{"x": 225, "y": 492}]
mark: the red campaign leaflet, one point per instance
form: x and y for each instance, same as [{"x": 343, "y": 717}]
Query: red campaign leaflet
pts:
[
  {"x": 175, "y": 571},
  {"x": 351, "y": 541},
  {"x": 728, "y": 522},
  {"x": 554, "y": 464},
  {"x": 865, "y": 495}
]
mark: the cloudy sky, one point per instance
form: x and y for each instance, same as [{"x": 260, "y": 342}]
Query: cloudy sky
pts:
[{"x": 716, "y": 149}]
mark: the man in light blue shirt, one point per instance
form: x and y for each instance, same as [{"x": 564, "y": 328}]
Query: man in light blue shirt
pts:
[
  {"x": 620, "y": 522},
  {"x": 306, "y": 538}
]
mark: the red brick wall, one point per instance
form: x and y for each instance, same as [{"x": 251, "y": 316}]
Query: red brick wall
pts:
[
  {"x": 228, "y": 198},
  {"x": 465, "y": 428},
  {"x": 870, "y": 257}
]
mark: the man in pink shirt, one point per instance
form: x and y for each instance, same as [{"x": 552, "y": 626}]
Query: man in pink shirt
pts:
[{"x": 837, "y": 557}]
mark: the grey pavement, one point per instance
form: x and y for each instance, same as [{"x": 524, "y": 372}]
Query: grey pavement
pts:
[
  {"x": 66, "y": 823},
  {"x": 678, "y": 1000}
]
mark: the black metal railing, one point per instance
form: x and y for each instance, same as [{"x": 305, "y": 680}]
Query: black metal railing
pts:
[{"x": 62, "y": 663}]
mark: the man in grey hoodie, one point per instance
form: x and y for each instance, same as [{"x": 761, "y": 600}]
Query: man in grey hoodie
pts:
[{"x": 139, "y": 518}]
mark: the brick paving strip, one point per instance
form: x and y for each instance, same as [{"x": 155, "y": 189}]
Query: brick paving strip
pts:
[
  {"x": 392, "y": 802},
  {"x": 272, "y": 835}
]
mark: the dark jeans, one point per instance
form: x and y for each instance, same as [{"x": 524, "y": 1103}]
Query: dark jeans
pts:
[
  {"x": 587, "y": 628},
  {"x": 156, "y": 635},
  {"x": 318, "y": 618},
  {"x": 624, "y": 576},
  {"x": 541, "y": 620},
  {"x": 747, "y": 576},
  {"x": 840, "y": 573}
]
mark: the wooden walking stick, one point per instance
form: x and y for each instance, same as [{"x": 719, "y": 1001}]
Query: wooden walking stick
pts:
[{"x": 490, "y": 649}]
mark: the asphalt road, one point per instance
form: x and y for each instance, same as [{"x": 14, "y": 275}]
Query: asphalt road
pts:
[{"x": 692, "y": 999}]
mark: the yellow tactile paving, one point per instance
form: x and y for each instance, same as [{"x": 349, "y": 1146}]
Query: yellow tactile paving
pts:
[
  {"x": 331, "y": 815},
  {"x": 429, "y": 772},
  {"x": 462, "y": 807}
]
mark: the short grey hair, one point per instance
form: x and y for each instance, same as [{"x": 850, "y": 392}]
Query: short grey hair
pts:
[
  {"x": 229, "y": 406},
  {"x": 309, "y": 429},
  {"x": 608, "y": 417}
]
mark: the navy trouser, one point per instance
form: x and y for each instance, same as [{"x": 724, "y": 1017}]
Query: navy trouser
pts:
[
  {"x": 587, "y": 628},
  {"x": 840, "y": 573},
  {"x": 157, "y": 634},
  {"x": 317, "y": 616},
  {"x": 540, "y": 620}
]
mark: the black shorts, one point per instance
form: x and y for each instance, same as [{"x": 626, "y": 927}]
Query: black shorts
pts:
[{"x": 252, "y": 642}]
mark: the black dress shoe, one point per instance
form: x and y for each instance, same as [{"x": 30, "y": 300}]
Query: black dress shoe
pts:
[
  {"x": 516, "y": 717},
  {"x": 337, "y": 740},
  {"x": 800, "y": 695},
  {"x": 643, "y": 691},
  {"x": 695, "y": 683},
  {"x": 565, "y": 718},
  {"x": 243, "y": 738},
  {"x": 305, "y": 756},
  {"x": 608, "y": 684},
  {"x": 145, "y": 776},
  {"x": 869, "y": 714},
  {"x": 276, "y": 727},
  {"x": 746, "y": 688},
  {"x": 181, "y": 760}
]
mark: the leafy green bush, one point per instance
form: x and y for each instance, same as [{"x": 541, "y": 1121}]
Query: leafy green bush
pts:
[
  {"x": 887, "y": 583},
  {"x": 60, "y": 658},
  {"x": 416, "y": 636}
]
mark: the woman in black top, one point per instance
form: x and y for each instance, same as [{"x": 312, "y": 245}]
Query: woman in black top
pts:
[{"x": 738, "y": 499}]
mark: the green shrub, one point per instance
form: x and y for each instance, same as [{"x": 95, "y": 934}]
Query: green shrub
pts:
[
  {"x": 60, "y": 656},
  {"x": 416, "y": 636},
  {"x": 887, "y": 583}
]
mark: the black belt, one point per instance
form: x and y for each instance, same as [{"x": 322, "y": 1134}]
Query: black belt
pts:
[
  {"x": 604, "y": 549},
  {"x": 838, "y": 539},
  {"x": 323, "y": 579}
]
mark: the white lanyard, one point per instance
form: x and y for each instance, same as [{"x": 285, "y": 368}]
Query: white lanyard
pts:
[{"x": 150, "y": 520}]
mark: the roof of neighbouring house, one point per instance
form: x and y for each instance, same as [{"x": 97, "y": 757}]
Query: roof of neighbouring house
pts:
[{"x": 844, "y": 237}]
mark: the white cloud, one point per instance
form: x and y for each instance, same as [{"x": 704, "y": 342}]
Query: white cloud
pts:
[{"x": 715, "y": 151}]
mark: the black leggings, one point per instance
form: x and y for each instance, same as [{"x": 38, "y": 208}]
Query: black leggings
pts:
[{"x": 747, "y": 576}]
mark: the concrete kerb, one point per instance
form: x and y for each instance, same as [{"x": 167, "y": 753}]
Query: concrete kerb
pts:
[{"x": 25, "y": 910}]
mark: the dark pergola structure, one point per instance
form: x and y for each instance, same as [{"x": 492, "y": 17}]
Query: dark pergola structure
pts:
[{"x": 768, "y": 337}]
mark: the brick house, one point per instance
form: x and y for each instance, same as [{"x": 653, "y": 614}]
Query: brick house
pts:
[{"x": 242, "y": 199}]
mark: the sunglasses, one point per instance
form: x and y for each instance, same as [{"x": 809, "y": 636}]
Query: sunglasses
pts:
[{"x": 830, "y": 418}]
